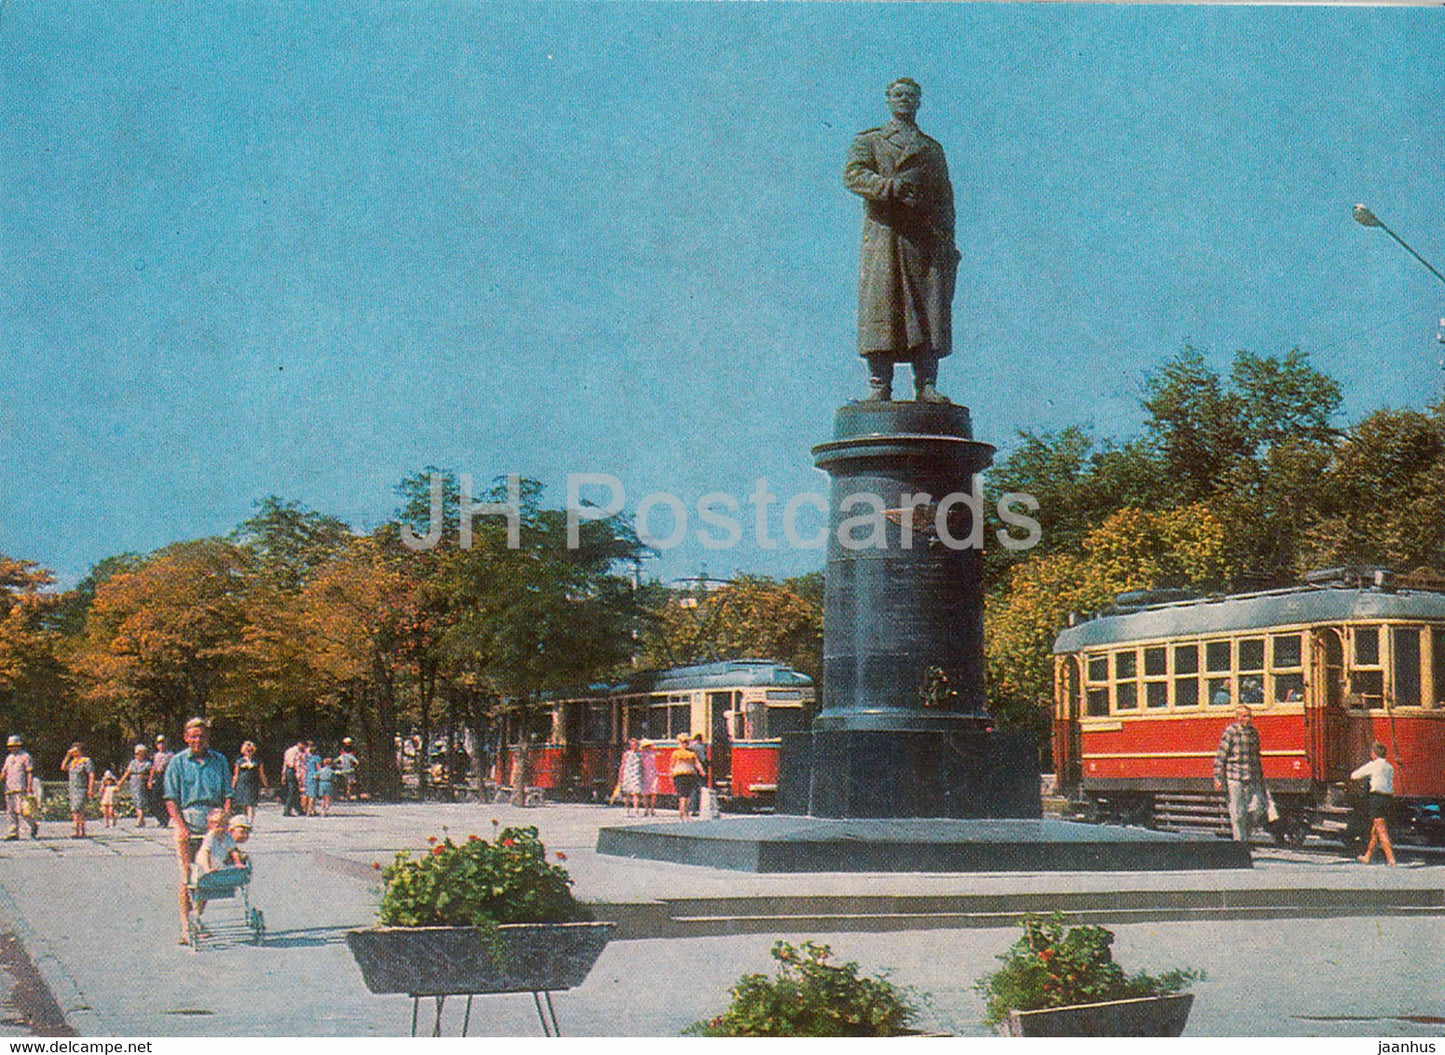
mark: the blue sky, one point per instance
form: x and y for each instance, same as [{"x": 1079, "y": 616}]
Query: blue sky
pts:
[{"x": 307, "y": 249}]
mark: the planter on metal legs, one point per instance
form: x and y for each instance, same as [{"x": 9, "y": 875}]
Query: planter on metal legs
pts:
[
  {"x": 1149, "y": 1016},
  {"x": 536, "y": 958}
]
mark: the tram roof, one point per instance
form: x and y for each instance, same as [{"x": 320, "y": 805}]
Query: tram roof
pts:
[
  {"x": 1250, "y": 611},
  {"x": 730, "y": 673}
]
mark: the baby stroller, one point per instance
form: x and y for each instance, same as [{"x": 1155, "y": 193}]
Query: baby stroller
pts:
[{"x": 224, "y": 884}]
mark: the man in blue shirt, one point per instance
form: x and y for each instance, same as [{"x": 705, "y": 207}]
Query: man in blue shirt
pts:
[{"x": 197, "y": 781}]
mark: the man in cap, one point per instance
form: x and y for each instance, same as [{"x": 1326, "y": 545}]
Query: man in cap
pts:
[
  {"x": 19, "y": 780},
  {"x": 155, "y": 782},
  {"x": 197, "y": 781}
]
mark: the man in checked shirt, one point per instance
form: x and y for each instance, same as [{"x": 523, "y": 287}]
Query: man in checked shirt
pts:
[{"x": 1237, "y": 766}]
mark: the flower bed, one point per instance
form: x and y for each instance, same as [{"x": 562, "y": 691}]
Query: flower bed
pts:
[{"x": 1051, "y": 966}]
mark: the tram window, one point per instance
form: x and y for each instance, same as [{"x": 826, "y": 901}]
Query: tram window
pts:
[
  {"x": 1216, "y": 657},
  {"x": 597, "y": 723},
  {"x": 1098, "y": 703},
  {"x": 1251, "y": 689},
  {"x": 1437, "y": 651},
  {"x": 1367, "y": 646},
  {"x": 1126, "y": 664},
  {"x": 1219, "y": 694},
  {"x": 1286, "y": 652},
  {"x": 1156, "y": 694},
  {"x": 785, "y": 720},
  {"x": 1156, "y": 662},
  {"x": 1405, "y": 643},
  {"x": 1186, "y": 692},
  {"x": 1099, "y": 668},
  {"x": 657, "y": 723},
  {"x": 1186, "y": 659},
  {"x": 1289, "y": 688},
  {"x": 1126, "y": 696},
  {"x": 1369, "y": 687},
  {"x": 679, "y": 719},
  {"x": 1251, "y": 654}
]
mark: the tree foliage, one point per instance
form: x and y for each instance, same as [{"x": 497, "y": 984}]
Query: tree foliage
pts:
[
  {"x": 750, "y": 617},
  {"x": 1133, "y": 549}
]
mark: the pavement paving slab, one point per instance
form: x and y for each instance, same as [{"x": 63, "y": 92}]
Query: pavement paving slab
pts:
[{"x": 98, "y": 920}]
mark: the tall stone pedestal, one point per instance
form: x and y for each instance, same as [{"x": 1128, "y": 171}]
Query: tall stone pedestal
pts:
[
  {"x": 904, "y": 731},
  {"x": 872, "y": 773}
]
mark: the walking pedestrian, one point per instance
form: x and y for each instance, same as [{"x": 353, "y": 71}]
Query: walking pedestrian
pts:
[
  {"x": 248, "y": 777},
  {"x": 649, "y": 778},
  {"x": 347, "y": 766},
  {"x": 686, "y": 770},
  {"x": 198, "y": 780},
  {"x": 160, "y": 759},
  {"x": 1382, "y": 796},
  {"x": 325, "y": 786},
  {"x": 108, "y": 786},
  {"x": 309, "y": 773},
  {"x": 290, "y": 788},
  {"x": 19, "y": 774},
  {"x": 1238, "y": 768},
  {"x": 698, "y": 748},
  {"x": 629, "y": 778},
  {"x": 138, "y": 772},
  {"x": 80, "y": 771}
]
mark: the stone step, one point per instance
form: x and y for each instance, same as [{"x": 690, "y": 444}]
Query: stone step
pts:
[{"x": 699, "y": 917}]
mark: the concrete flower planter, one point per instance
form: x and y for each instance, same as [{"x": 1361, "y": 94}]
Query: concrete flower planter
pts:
[
  {"x": 1150, "y": 1016},
  {"x": 443, "y": 961}
]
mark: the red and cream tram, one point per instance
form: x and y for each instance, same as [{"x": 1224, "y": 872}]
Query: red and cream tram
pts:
[
  {"x": 1144, "y": 689},
  {"x": 740, "y": 708}
]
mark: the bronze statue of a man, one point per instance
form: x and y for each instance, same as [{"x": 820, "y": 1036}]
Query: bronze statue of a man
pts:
[{"x": 905, "y": 283}]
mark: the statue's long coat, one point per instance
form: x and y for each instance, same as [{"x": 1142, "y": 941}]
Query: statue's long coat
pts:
[{"x": 905, "y": 281}]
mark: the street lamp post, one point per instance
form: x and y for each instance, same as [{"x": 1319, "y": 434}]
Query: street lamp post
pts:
[{"x": 1365, "y": 218}]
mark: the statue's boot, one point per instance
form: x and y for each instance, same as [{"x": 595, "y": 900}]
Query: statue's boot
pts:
[
  {"x": 879, "y": 392},
  {"x": 928, "y": 394}
]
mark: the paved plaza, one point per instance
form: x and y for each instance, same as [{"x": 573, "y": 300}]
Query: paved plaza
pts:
[{"x": 1358, "y": 954}]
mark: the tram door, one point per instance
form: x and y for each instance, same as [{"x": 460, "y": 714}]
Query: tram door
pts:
[
  {"x": 1329, "y": 720},
  {"x": 720, "y": 754},
  {"x": 1068, "y": 735}
]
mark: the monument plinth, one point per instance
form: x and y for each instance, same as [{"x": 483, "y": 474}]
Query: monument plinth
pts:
[{"x": 904, "y": 730}]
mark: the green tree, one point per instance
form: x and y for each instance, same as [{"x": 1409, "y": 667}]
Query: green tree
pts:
[
  {"x": 290, "y": 542},
  {"x": 1132, "y": 550},
  {"x": 37, "y": 698},
  {"x": 1383, "y": 495},
  {"x": 750, "y": 617},
  {"x": 169, "y": 638},
  {"x": 355, "y": 613}
]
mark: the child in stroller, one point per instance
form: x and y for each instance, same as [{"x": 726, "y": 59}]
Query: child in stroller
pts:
[{"x": 221, "y": 869}]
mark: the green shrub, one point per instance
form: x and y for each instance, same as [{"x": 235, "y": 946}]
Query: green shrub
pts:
[
  {"x": 811, "y": 997},
  {"x": 55, "y": 806},
  {"x": 1053, "y": 967},
  {"x": 479, "y": 884}
]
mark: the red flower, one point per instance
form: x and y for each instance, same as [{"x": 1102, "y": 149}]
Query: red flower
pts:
[
  {"x": 431, "y": 839},
  {"x": 376, "y": 866},
  {"x": 474, "y": 838},
  {"x": 1046, "y": 955},
  {"x": 561, "y": 856},
  {"x": 438, "y": 849},
  {"x": 508, "y": 843}
]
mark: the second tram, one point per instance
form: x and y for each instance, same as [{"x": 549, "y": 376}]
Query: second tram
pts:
[
  {"x": 1144, "y": 689},
  {"x": 740, "y": 708}
]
